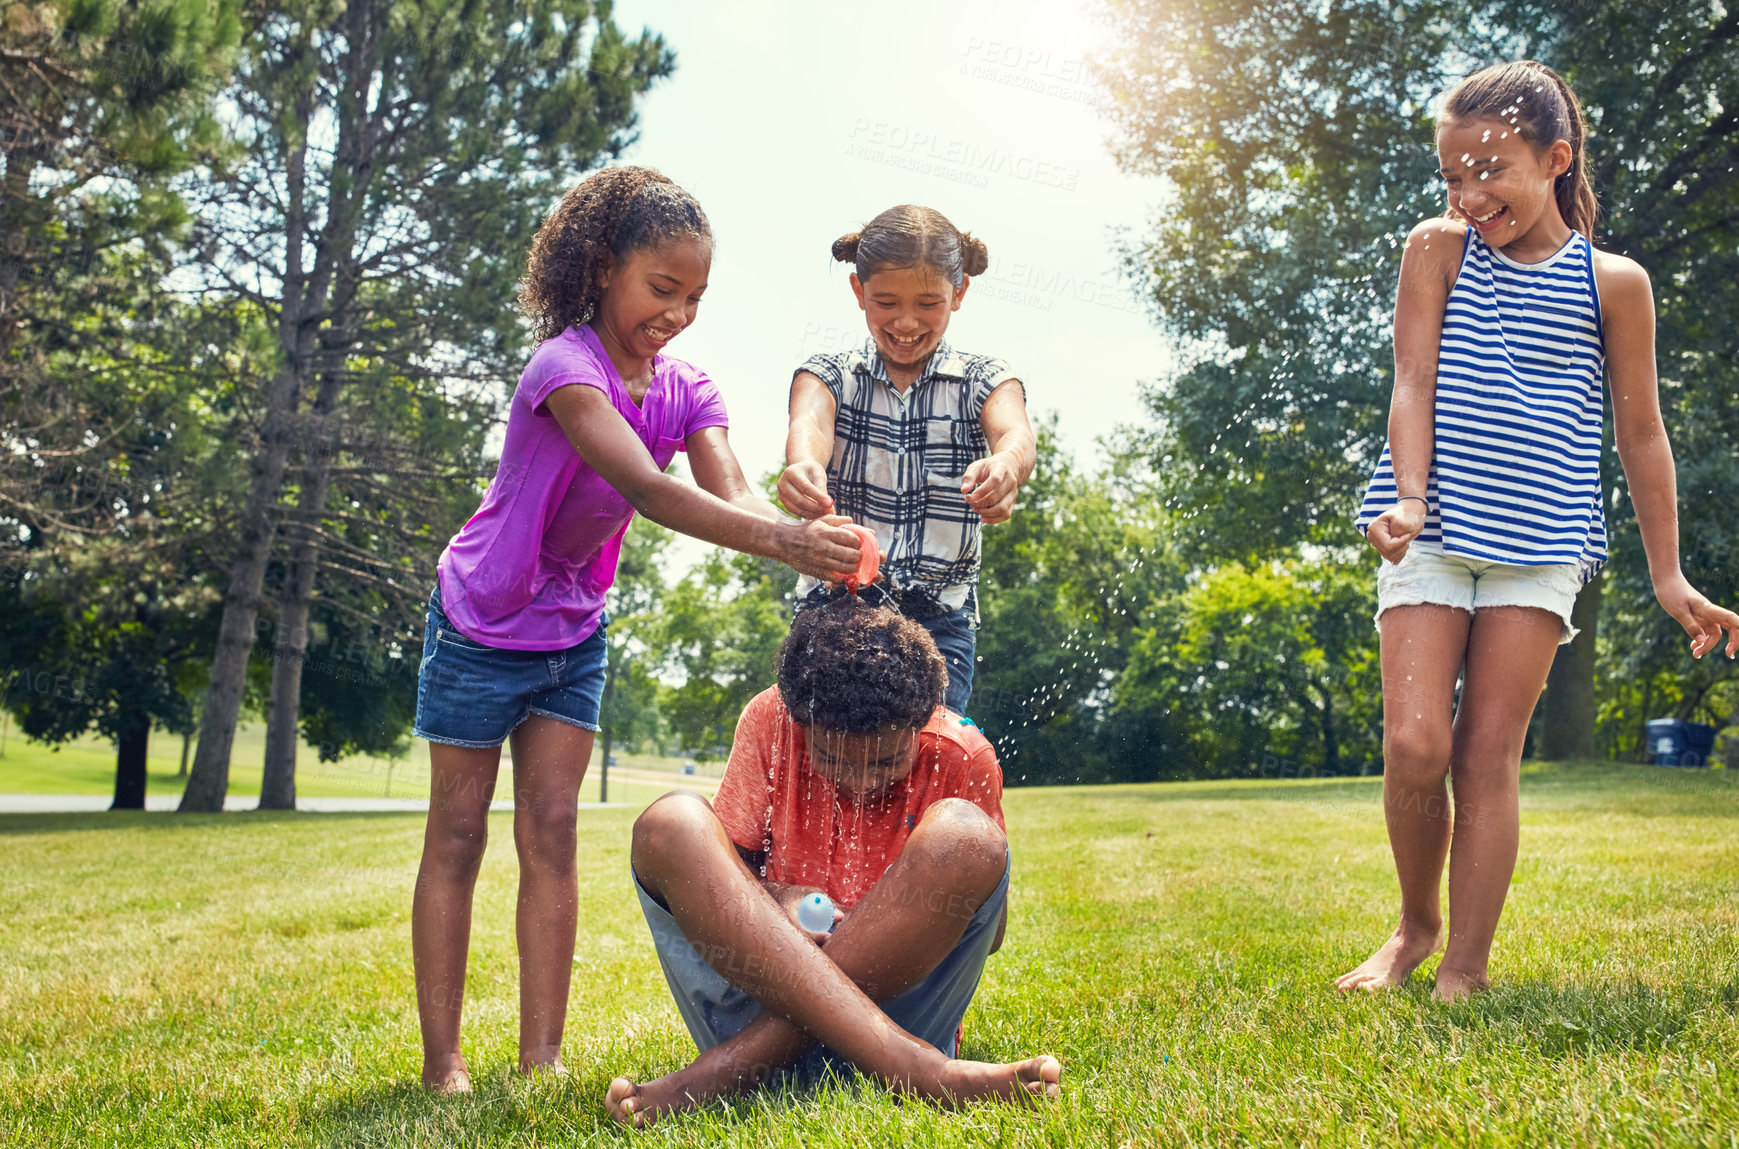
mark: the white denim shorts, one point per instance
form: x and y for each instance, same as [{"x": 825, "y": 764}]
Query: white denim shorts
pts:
[{"x": 1426, "y": 574}]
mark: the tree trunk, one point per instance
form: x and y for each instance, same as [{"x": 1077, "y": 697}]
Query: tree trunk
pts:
[
  {"x": 208, "y": 782},
  {"x": 1643, "y": 755},
  {"x": 1726, "y": 748},
  {"x": 303, "y": 294},
  {"x": 283, "y": 712},
  {"x": 21, "y": 219},
  {"x": 604, "y": 720},
  {"x": 1330, "y": 737},
  {"x": 130, "y": 747},
  {"x": 186, "y": 748},
  {"x": 1567, "y": 710},
  {"x": 604, "y": 770},
  {"x": 278, "y": 787}
]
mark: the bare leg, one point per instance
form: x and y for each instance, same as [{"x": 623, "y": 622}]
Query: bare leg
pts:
[
  {"x": 891, "y": 940},
  {"x": 549, "y": 760},
  {"x": 1423, "y": 648},
  {"x": 1508, "y": 656},
  {"x": 461, "y": 782}
]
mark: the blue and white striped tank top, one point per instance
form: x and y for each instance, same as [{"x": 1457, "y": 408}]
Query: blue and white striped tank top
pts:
[{"x": 1515, "y": 477}]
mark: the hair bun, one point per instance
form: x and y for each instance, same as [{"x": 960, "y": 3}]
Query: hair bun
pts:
[
  {"x": 845, "y": 247},
  {"x": 974, "y": 256}
]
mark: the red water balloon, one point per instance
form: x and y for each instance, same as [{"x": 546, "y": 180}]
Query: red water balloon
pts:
[{"x": 867, "y": 565}]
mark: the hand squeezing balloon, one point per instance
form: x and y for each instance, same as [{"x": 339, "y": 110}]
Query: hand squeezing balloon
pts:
[{"x": 867, "y": 565}]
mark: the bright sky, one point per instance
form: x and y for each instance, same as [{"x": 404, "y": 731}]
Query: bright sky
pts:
[{"x": 796, "y": 123}]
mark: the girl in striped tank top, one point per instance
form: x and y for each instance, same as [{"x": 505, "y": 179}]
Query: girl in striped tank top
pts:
[{"x": 1487, "y": 501}]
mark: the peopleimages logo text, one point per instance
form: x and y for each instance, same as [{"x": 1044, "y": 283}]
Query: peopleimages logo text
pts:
[{"x": 964, "y": 155}]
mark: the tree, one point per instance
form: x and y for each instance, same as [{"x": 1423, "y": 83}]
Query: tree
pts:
[
  {"x": 99, "y": 643},
  {"x": 402, "y": 468},
  {"x": 1106, "y": 657},
  {"x": 109, "y": 557},
  {"x": 722, "y": 625},
  {"x": 101, "y": 103},
  {"x": 1065, "y": 586},
  {"x": 1666, "y": 139},
  {"x": 1265, "y": 667},
  {"x": 92, "y": 93},
  {"x": 409, "y": 149},
  {"x": 1295, "y": 142},
  {"x": 359, "y": 689}
]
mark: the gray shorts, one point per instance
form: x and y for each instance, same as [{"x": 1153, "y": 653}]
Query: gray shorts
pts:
[
  {"x": 1428, "y": 574},
  {"x": 714, "y": 1009}
]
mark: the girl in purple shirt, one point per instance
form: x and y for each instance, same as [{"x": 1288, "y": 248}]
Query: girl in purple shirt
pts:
[{"x": 514, "y": 646}]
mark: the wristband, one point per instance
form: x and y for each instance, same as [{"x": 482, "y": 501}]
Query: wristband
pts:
[{"x": 1421, "y": 498}]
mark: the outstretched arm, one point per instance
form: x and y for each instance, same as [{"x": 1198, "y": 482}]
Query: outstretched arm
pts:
[
  {"x": 610, "y": 447},
  {"x": 1627, "y": 314},
  {"x": 715, "y": 468},
  {"x": 808, "y": 448},
  {"x": 991, "y": 484}
]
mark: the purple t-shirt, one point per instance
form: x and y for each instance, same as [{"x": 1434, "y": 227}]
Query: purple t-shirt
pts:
[{"x": 530, "y": 568}]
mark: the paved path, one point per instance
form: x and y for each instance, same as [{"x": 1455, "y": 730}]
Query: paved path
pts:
[{"x": 87, "y": 803}]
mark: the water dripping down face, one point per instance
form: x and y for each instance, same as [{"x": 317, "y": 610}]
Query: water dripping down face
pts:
[{"x": 863, "y": 767}]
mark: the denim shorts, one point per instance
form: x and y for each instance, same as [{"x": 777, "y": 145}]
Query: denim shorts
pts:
[
  {"x": 1426, "y": 574},
  {"x": 714, "y": 1010},
  {"x": 469, "y": 694}
]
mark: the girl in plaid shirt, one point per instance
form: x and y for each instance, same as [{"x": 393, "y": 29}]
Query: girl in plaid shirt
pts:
[{"x": 919, "y": 442}]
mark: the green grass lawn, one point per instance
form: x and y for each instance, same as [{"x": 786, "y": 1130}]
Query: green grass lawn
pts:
[
  {"x": 245, "y": 980},
  {"x": 87, "y": 766}
]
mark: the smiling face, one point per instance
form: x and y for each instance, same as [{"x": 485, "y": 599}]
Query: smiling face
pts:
[
  {"x": 1502, "y": 185},
  {"x": 649, "y": 298},
  {"x": 862, "y": 766},
  {"x": 907, "y": 309}
]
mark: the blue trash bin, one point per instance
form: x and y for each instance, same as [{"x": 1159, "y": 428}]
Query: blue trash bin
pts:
[{"x": 1675, "y": 742}]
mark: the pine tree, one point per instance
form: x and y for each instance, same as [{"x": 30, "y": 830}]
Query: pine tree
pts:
[{"x": 410, "y": 150}]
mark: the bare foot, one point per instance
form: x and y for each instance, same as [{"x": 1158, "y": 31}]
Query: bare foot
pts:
[
  {"x": 1029, "y": 1080},
  {"x": 1455, "y": 985},
  {"x": 447, "y": 1077},
  {"x": 622, "y": 1102},
  {"x": 1037, "y": 1077},
  {"x": 638, "y": 1106},
  {"x": 1393, "y": 962}
]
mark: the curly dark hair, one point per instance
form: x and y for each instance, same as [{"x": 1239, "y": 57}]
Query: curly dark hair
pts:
[
  {"x": 614, "y": 212},
  {"x": 859, "y": 669},
  {"x": 913, "y": 236}
]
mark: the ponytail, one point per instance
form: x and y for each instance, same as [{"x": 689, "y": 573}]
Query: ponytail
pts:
[{"x": 1574, "y": 191}]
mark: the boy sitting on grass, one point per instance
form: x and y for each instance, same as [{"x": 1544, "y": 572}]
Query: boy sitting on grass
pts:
[{"x": 849, "y": 779}]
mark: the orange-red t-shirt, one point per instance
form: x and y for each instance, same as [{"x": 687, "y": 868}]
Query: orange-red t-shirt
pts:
[{"x": 815, "y": 836}]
